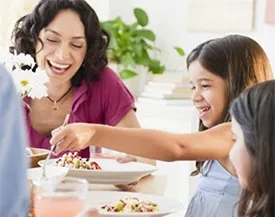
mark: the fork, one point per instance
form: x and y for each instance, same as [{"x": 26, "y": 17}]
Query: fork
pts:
[{"x": 52, "y": 149}]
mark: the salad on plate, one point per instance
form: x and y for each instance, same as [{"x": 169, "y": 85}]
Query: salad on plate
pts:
[
  {"x": 131, "y": 205},
  {"x": 74, "y": 161}
]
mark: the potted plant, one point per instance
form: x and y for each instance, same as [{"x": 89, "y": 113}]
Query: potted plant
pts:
[{"x": 132, "y": 45}]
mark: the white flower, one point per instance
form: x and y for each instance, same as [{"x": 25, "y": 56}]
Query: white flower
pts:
[
  {"x": 28, "y": 82},
  {"x": 22, "y": 80},
  {"x": 23, "y": 60},
  {"x": 37, "y": 83}
]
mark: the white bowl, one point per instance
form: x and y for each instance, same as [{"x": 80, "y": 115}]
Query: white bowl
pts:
[{"x": 51, "y": 172}]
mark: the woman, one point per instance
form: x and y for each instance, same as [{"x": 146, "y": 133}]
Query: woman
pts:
[
  {"x": 65, "y": 38},
  {"x": 253, "y": 127},
  {"x": 219, "y": 73}
]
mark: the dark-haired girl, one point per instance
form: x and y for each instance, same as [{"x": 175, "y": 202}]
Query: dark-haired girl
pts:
[
  {"x": 220, "y": 70},
  {"x": 253, "y": 127}
]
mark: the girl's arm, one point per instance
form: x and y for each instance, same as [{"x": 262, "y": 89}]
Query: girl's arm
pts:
[
  {"x": 214, "y": 143},
  {"x": 130, "y": 121}
]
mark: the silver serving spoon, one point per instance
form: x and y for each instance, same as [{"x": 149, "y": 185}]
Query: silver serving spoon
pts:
[{"x": 51, "y": 150}]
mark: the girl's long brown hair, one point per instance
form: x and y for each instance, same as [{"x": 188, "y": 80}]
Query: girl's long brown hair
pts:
[
  {"x": 254, "y": 110},
  {"x": 237, "y": 59}
]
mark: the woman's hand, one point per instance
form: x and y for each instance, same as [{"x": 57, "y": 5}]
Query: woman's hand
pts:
[{"x": 73, "y": 137}]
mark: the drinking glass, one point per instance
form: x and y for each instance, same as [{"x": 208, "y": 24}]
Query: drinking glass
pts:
[{"x": 60, "y": 198}]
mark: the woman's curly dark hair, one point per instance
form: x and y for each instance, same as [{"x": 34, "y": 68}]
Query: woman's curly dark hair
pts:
[{"x": 26, "y": 34}]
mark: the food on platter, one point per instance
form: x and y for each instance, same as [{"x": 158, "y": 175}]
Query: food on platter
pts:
[
  {"x": 74, "y": 161},
  {"x": 131, "y": 205}
]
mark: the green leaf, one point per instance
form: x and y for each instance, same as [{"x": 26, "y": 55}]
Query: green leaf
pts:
[
  {"x": 137, "y": 50},
  {"x": 131, "y": 45},
  {"x": 158, "y": 70},
  {"x": 113, "y": 41},
  {"x": 127, "y": 73},
  {"x": 133, "y": 27},
  {"x": 141, "y": 16},
  {"x": 143, "y": 59},
  {"x": 180, "y": 51},
  {"x": 155, "y": 67},
  {"x": 148, "y": 34},
  {"x": 127, "y": 60}
]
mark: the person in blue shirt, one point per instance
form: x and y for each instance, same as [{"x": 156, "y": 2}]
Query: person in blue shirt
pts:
[{"x": 13, "y": 160}]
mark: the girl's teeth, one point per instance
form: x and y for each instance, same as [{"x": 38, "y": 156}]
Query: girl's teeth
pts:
[{"x": 204, "y": 109}]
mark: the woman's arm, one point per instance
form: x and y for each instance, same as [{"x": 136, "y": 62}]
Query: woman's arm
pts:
[
  {"x": 214, "y": 143},
  {"x": 130, "y": 121}
]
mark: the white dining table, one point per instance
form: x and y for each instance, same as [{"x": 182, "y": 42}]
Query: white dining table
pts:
[
  {"x": 168, "y": 183},
  {"x": 155, "y": 184}
]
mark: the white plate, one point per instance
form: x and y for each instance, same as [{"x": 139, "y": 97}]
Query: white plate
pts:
[
  {"x": 99, "y": 198},
  {"x": 51, "y": 172},
  {"x": 112, "y": 172}
]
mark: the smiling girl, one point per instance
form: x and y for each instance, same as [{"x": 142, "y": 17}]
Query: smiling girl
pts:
[{"x": 220, "y": 70}]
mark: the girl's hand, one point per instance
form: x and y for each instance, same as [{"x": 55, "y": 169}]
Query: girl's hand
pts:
[
  {"x": 125, "y": 159},
  {"x": 73, "y": 137}
]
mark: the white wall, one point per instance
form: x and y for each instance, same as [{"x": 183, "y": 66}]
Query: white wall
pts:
[
  {"x": 101, "y": 7},
  {"x": 168, "y": 20}
]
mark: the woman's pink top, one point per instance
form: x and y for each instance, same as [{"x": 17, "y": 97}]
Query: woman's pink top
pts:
[{"x": 105, "y": 101}]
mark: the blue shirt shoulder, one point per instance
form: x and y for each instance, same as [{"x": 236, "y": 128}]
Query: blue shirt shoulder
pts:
[{"x": 13, "y": 161}]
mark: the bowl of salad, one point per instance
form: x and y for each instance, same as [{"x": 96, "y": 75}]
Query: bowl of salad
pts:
[
  {"x": 101, "y": 170},
  {"x": 35, "y": 155}
]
